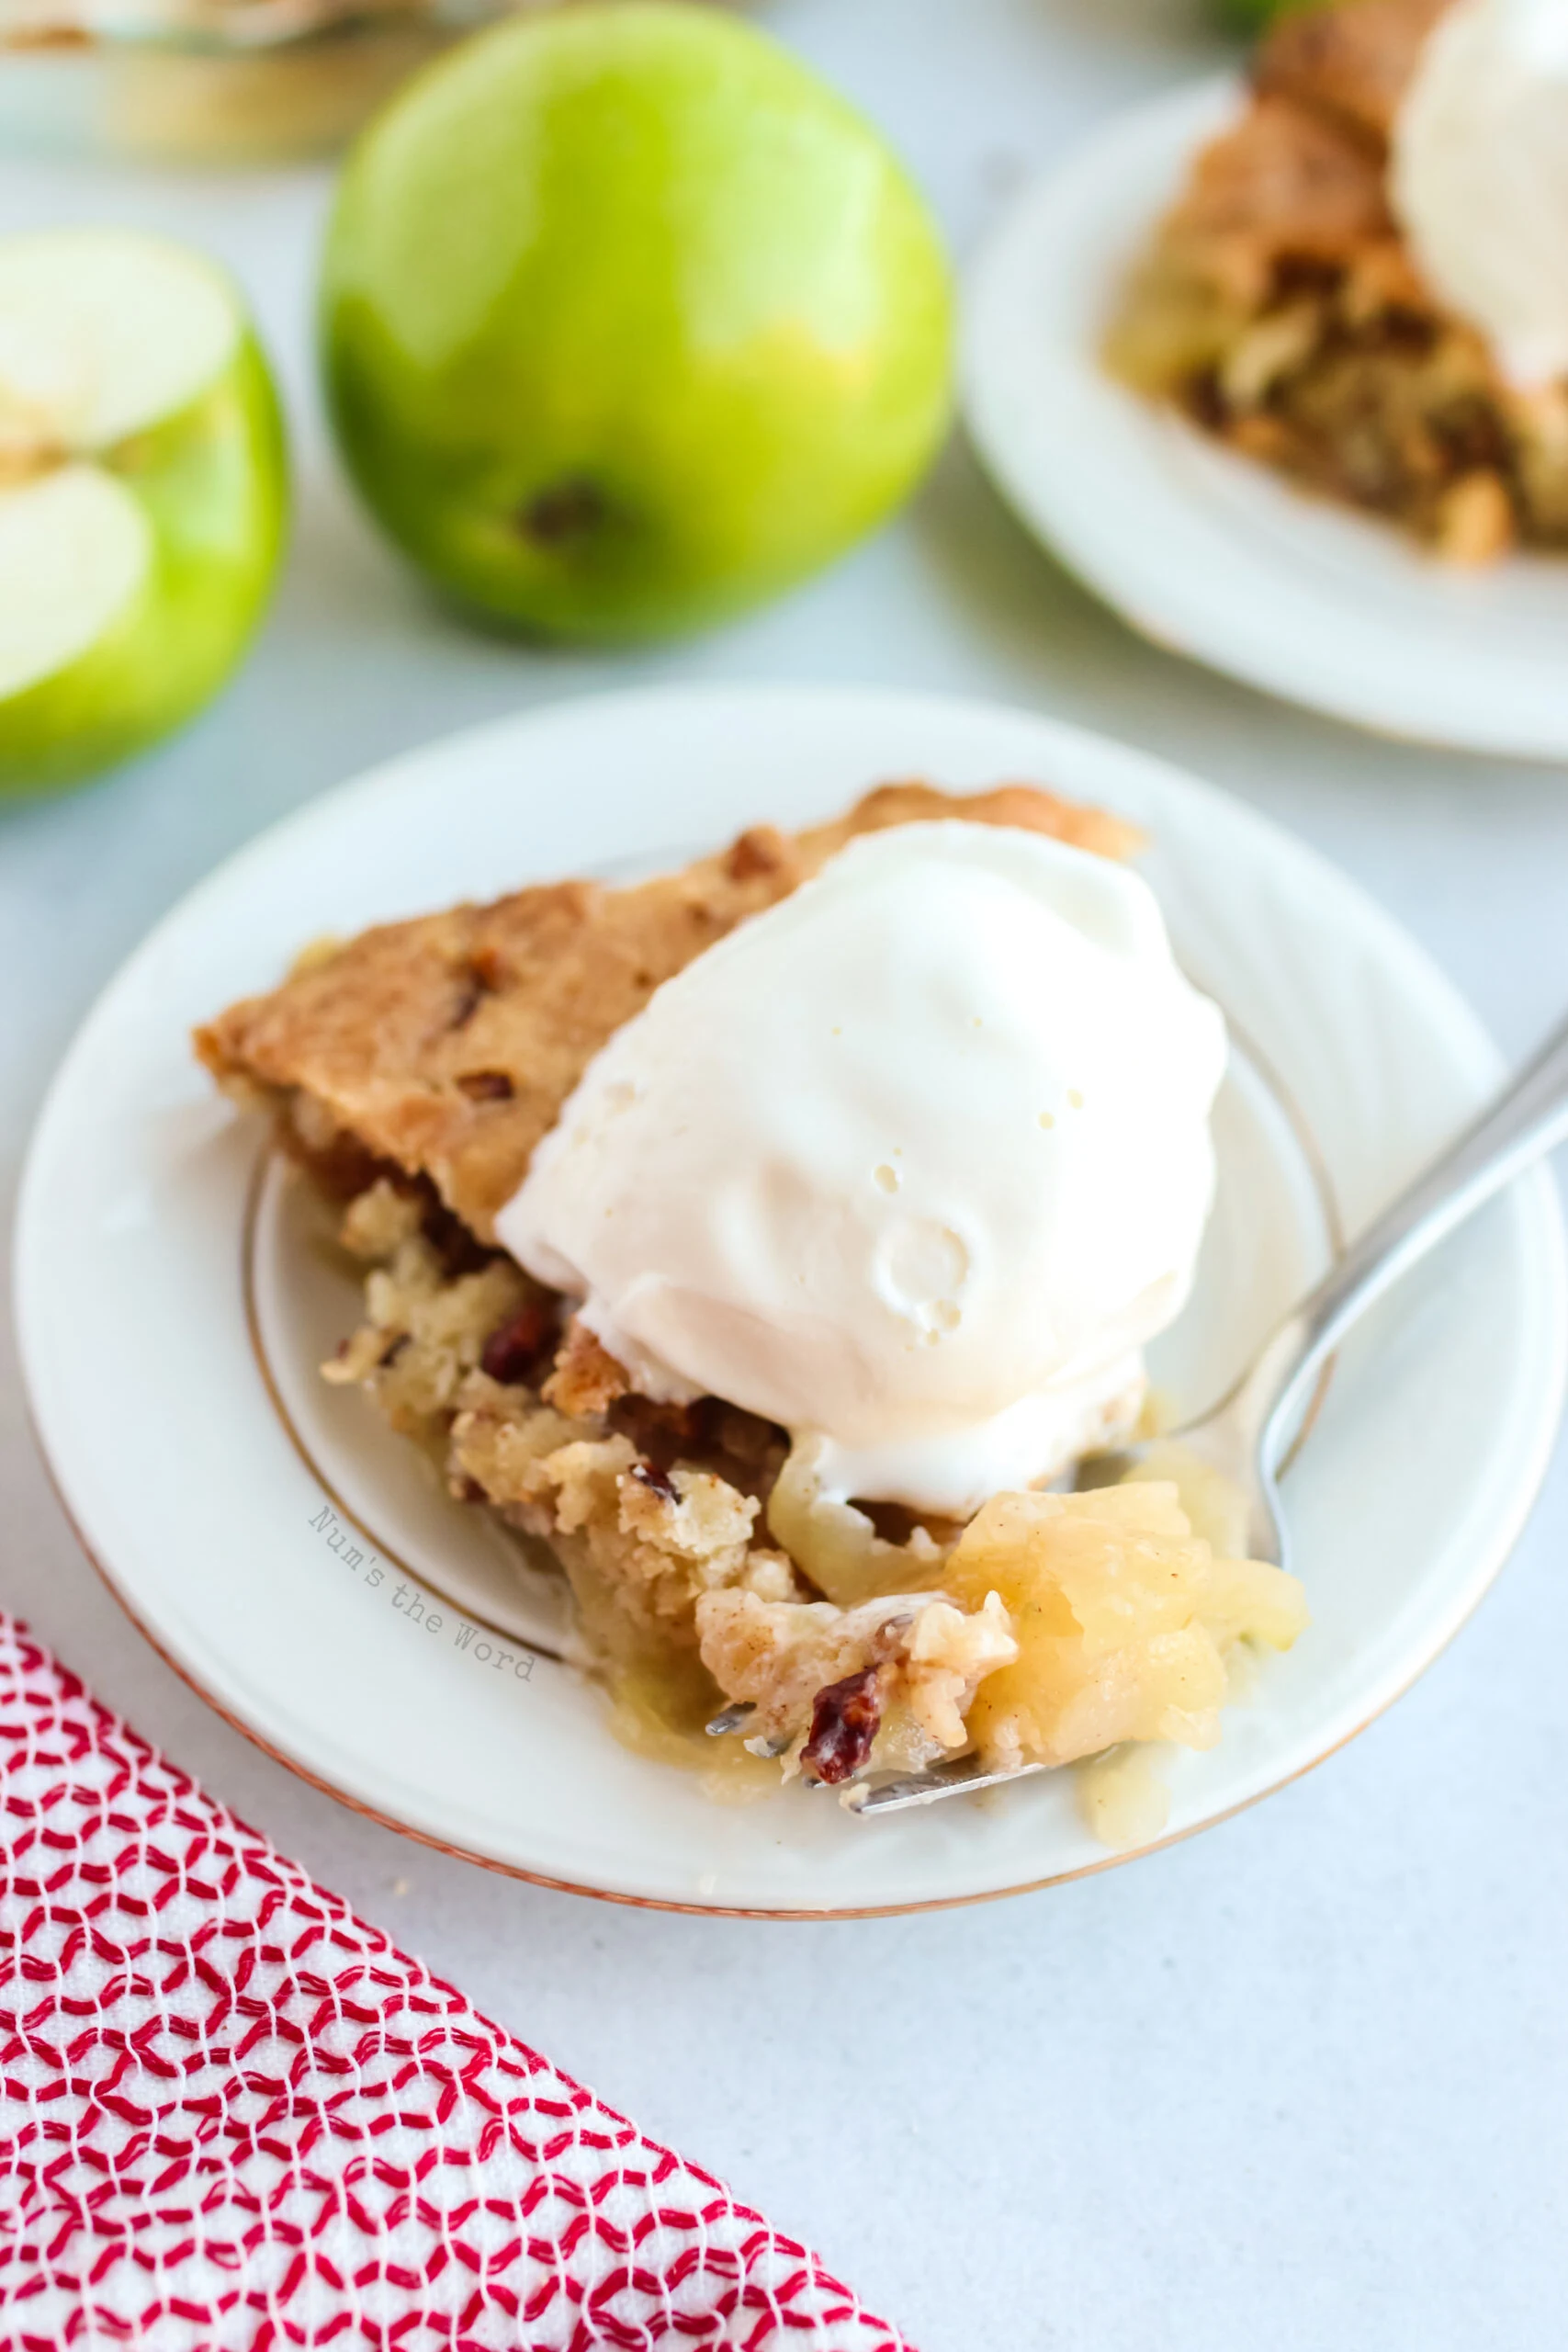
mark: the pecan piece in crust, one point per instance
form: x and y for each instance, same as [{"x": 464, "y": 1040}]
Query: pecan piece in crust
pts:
[{"x": 486, "y": 1085}]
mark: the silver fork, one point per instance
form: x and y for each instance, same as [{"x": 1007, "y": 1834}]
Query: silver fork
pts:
[{"x": 1252, "y": 1433}]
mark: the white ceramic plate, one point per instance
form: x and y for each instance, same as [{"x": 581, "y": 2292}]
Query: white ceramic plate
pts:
[
  {"x": 1197, "y": 547},
  {"x": 284, "y": 1554}
]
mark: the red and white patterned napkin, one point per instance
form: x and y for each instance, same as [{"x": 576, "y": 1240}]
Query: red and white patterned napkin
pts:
[{"x": 233, "y": 2117}]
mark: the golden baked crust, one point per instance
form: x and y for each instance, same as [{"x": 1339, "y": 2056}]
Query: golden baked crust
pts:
[
  {"x": 1285, "y": 184},
  {"x": 1354, "y": 63},
  {"x": 446, "y": 1045},
  {"x": 1281, "y": 308}
]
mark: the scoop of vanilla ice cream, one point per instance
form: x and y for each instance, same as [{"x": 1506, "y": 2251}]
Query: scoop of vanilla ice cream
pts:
[
  {"x": 1479, "y": 175},
  {"x": 913, "y": 1163}
]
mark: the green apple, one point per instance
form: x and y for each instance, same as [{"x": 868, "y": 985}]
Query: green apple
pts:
[
  {"x": 143, "y": 494},
  {"x": 628, "y": 321}
]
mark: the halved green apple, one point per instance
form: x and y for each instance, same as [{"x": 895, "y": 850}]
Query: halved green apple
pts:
[{"x": 143, "y": 494}]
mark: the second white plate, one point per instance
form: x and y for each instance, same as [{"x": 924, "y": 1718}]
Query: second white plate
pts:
[{"x": 1200, "y": 549}]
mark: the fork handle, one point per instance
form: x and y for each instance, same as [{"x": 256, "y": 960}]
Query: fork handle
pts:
[{"x": 1518, "y": 1127}]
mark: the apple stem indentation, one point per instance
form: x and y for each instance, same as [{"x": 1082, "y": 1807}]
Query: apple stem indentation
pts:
[{"x": 563, "y": 510}]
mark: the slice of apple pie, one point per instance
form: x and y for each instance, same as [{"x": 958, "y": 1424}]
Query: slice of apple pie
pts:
[
  {"x": 1284, "y": 308},
  {"x": 420, "y": 1072}
]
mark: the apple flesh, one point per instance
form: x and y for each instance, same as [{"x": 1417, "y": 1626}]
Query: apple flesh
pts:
[
  {"x": 628, "y": 321},
  {"x": 142, "y": 495}
]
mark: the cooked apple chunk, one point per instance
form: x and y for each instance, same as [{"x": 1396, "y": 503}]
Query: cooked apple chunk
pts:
[{"x": 1123, "y": 1619}]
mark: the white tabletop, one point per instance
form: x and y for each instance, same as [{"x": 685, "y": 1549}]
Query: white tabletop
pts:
[{"x": 1299, "y": 2083}]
